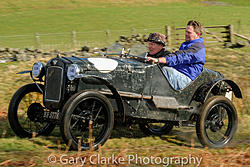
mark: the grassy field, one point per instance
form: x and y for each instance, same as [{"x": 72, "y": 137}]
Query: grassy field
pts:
[
  {"x": 31, "y": 16},
  {"x": 56, "y": 20},
  {"x": 181, "y": 142}
]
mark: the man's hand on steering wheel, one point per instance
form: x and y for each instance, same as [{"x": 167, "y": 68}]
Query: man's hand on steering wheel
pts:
[
  {"x": 156, "y": 60},
  {"x": 153, "y": 60}
]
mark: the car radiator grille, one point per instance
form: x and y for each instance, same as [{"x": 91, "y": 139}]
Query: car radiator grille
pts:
[{"x": 54, "y": 81}]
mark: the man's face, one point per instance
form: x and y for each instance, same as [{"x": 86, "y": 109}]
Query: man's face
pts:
[
  {"x": 154, "y": 48},
  {"x": 191, "y": 34}
]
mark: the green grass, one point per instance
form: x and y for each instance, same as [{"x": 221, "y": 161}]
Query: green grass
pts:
[
  {"x": 177, "y": 143},
  {"x": 30, "y": 17}
]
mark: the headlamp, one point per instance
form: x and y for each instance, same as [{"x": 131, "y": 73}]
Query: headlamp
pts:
[
  {"x": 38, "y": 69},
  {"x": 73, "y": 71}
]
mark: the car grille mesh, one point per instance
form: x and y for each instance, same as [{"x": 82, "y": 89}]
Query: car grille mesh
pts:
[{"x": 53, "y": 88}]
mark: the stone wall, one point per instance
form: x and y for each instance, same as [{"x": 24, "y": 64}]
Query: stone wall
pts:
[
  {"x": 11, "y": 54},
  {"x": 14, "y": 54}
]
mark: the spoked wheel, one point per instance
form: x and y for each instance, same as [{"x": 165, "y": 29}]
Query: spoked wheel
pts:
[
  {"x": 26, "y": 112},
  {"x": 156, "y": 129},
  {"x": 217, "y": 122},
  {"x": 87, "y": 118}
]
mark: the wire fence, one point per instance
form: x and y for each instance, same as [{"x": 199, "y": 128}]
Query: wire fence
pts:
[
  {"x": 70, "y": 40},
  {"x": 75, "y": 40}
]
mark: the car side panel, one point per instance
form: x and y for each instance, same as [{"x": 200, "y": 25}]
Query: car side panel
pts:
[{"x": 161, "y": 87}]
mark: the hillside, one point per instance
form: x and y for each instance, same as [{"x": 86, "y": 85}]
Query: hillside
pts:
[{"x": 54, "y": 21}]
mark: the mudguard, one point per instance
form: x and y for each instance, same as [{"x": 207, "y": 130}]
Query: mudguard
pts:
[
  {"x": 204, "y": 91},
  {"x": 235, "y": 88},
  {"x": 30, "y": 72},
  {"x": 92, "y": 79}
]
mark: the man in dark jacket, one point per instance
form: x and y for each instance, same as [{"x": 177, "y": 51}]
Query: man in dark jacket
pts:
[{"x": 186, "y": 64}]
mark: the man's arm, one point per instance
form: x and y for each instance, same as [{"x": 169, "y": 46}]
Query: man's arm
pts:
[{"x": 195, "y": 54}]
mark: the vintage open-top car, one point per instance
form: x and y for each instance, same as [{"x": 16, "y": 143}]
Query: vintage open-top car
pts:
[{"x": 88, "y": 96}]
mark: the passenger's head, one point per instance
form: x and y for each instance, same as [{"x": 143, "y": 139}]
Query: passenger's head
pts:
[
  {"x": 193, "y": 30},
  {"x": 156, "y": 41}
]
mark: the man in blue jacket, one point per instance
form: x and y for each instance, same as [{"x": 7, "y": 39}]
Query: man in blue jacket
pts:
[{"x": 184, "y": 65}]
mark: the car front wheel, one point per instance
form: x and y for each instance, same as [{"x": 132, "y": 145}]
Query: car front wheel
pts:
[
  {"x": 88, "y": 120},
  {"x": 217, "y": 122}
]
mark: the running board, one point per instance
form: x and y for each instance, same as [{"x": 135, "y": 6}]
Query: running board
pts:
[{"x": 163, "y": 102}]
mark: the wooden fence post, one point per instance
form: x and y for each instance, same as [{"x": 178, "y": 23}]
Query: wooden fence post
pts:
[
  {"x": 107, "y": 35},
  {"x": 37, "y": 41},
  {"x": 238, "y": 29},
  {"x": 168, "y": 34},
  {"x": 174, "y": 32},
  {"x": 231, "y": 39},
  {"x": 204, "y": 34},
  {"x": 133, "y": 31},
  {"x": 74, "y": 39}
]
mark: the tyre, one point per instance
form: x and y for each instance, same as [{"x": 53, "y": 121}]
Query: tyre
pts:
[
  {"x": 87, "y": 118},
  {"x": 217, "y": 122},
  {"x": 156, "y": 129},
  {"x": 26, "y": 111}
]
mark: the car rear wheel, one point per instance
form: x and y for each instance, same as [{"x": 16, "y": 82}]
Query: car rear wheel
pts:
[
  {"x": 156, "y": 129},
  {"x": 26, "y": 111},
  {"x": 87, "y": 118},
  {"x": 217, "y": 122}
]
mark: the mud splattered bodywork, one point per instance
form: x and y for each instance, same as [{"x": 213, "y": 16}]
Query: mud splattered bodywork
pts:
[{"x": 143, "y": 88}]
